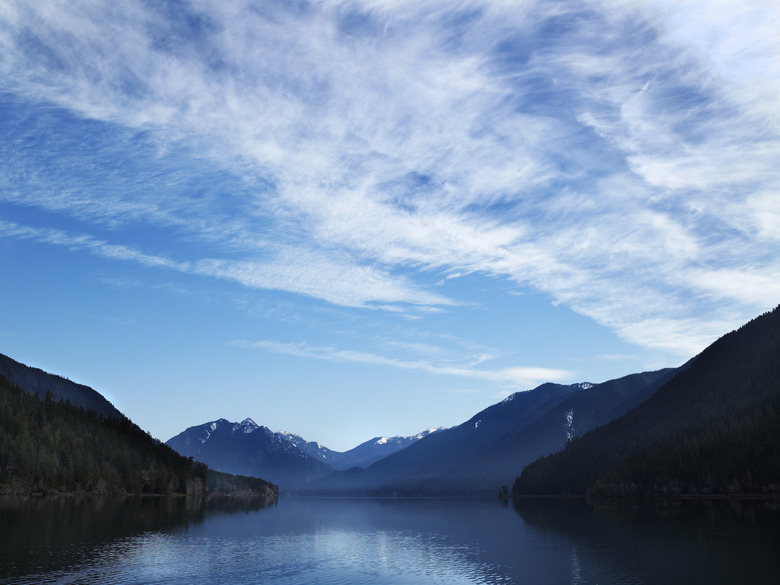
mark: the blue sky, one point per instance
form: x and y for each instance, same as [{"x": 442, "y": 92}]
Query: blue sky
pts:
[{"x": 351, "y": 218}]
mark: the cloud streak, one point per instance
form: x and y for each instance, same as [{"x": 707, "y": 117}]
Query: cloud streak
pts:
[
  {"x": 302, "y": 275},
  {"x": 607, "y": 153},
  {"x": 516, "y": 377}
]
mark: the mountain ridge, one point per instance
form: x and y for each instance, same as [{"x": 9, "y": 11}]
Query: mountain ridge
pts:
[
  {"x": 362, "y": 455},
  {"x": 463, "y": 460},
  {"x": 39, "y": 382},
  {"x": 714, "y": 428},
  {"x": 469, "y": 459},
  {"x": 247, "y": 448},
  {"x": 53, "y": 446}
]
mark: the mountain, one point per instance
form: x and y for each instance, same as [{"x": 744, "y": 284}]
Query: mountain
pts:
[
  {"x": 38, "y": 383},
  {"x": 313, "y": 449},
  {"x": 368, "y": 453},
  {"x": 712, "y": 428},
  {"x": 565, "y": 421},
  {"x": 49, "y": 446},
  {"x": 486, "y": 451},
  {"x": 246, "y": 448},
  {"x": 363, "y": 455}
]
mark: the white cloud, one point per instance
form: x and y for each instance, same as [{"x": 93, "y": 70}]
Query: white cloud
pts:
[
  {"x": 318, "y": 276},
  {"x": 517, "y": 377},
  {"x": 322, "y": 276},
  {"x": 623, "y": 166}
]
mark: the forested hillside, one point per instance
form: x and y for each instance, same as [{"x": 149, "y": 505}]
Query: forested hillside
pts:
[
  {"x": 49, "y": 446},
  {"x": 36, "y": 381},
  {"x": 714, "y": 428}
]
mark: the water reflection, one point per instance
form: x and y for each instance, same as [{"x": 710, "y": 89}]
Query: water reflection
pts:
[
  {"x": 384, "y": 542},
  {"x": 364, "y": 541},
  {"x": 43, "y": 535},
  {"x": 664, "y": 541}
]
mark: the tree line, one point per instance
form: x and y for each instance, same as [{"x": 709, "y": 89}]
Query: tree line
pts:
[
  {"x": 49, "y": 446},
  {"x": 712, "y": 429}
]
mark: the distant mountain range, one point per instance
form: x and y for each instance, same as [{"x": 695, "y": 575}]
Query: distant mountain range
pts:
[
  {"x": 485, "y": 452},
  {"x": 361, "y": 456},
  {"x": 709, "y": 426},
  {"x": 491, "y": 448},
  {"x": 246, "y": 448},
  {"x": 473, "y": 458}
]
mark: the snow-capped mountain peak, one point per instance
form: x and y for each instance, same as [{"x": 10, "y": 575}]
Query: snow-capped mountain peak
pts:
[
  {"x": 246, "y": 448},
  {"x": 362, "y": 455},
  {"x": 247, "y": 425},
  {"x": 426, "y": 432},
  {"x": 206, "y": 430}
]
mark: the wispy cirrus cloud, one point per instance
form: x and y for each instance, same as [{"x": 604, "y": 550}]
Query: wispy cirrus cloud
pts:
[
  {"x": 300, "y": 275},
  {"x": 516, "y": 377},
  {"x": 618, "y": 156}
]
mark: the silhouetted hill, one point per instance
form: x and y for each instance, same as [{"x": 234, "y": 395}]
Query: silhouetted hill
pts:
[
  {"x": 713, "y": 428},
  {"x": 57, "y": 436},
  {"x": 38, "y": 383},
  {"x": 49, "y": 446}
]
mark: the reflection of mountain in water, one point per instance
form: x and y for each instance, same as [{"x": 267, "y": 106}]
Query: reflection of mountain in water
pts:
[
  {"x": 677, "y": 541},
  {"x": 47, "y": 534},
  {"x": 390, "y": 541}
]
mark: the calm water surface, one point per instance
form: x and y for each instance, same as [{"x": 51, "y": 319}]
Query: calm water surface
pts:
[{"x": 339, "y": 541}]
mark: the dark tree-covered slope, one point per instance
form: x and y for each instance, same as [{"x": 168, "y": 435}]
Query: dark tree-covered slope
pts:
[
  {"x": 39, "y": 383},
  {"x": 49, "y": 446},
  {"x": 713, "y": 428}
]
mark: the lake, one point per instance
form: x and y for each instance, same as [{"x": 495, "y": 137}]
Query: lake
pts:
[{"x": 386, "y": 542}]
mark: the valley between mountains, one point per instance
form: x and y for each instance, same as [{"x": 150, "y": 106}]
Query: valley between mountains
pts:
[
  {"x": 708, "y": 427},
  {"x": 474, "y": 458}
]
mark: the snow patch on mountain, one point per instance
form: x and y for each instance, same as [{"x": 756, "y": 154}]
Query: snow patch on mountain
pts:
[
  {"x": 577, "y": 386},
  {"x": 406, "y": 441},
  {"x": 427, "y": 432},
  {"x": 208, "y": 429},
  {"x": 569, "y": 424}
]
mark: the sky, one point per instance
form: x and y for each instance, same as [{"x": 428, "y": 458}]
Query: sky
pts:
[{"x": 355, "y": 218}]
